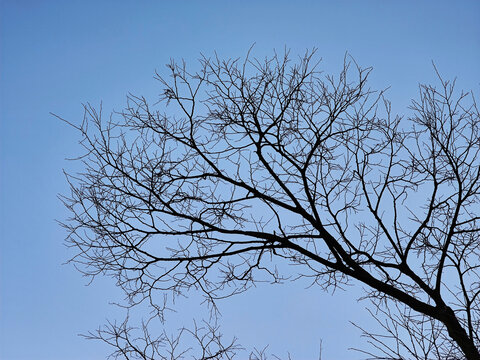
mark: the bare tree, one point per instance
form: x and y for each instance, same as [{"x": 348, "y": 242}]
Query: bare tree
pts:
[{"x": 248, "y": 164}]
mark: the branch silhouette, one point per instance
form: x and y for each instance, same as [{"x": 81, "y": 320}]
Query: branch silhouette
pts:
[{"x": 247, "y": 166}]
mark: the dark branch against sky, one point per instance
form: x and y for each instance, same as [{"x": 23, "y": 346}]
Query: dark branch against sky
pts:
[{"x": 56, "y": 55}]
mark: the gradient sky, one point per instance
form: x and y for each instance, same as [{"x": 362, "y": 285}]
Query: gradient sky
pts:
[{"x": 56, "y": 55}]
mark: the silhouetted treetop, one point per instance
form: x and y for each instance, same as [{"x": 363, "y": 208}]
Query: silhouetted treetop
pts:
[{"x": 246, "y": 166}]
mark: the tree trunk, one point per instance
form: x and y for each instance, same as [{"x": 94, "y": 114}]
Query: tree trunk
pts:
[{"x": 459, "y": 335}]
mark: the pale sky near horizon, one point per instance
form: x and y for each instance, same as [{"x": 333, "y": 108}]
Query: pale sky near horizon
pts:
[{"x": 56, "y": 55}]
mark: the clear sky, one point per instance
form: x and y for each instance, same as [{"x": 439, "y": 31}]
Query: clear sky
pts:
[{"x": 56, "y": 55}]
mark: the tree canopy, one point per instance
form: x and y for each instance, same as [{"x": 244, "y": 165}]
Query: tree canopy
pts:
[{"x": 248, "y": 166}]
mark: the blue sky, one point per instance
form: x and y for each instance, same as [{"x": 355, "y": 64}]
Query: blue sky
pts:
[{"x": 56, "y": 55}]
